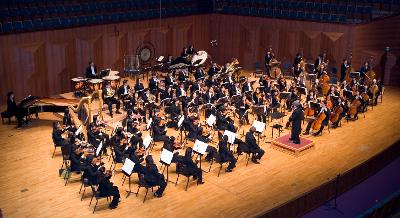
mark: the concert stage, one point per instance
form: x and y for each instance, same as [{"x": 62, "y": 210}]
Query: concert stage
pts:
[
  {"x": 284, "y": 143},
  {"x": 30, "y": 185}
]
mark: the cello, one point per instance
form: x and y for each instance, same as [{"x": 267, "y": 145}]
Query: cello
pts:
[
  {"x": 316, "y": 125},
  {"x": 354, "y": 107},
  {"x": 336, "y": 112}
]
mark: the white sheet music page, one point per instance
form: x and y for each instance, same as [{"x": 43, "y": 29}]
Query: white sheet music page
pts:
[
  {"x": 146, "y": 141},
  {"x": 128, "y": 166},
  {"x": 260, "y": 126},
  {"x": 181, "y": 121},
  {"x": 231, "y": 136},
  {"x": 200, "y": 147},
  {"x": 166, "y": 156},
  {"x": 99, "y": 148},
  {"x": 211, "y": 120}
]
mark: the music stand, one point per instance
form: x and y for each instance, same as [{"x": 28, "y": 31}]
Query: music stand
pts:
[
  {"x": 180, "y": 122},
  {"x": 147, "y": 141},
  {"x": 312, "y": 77},
  {"x": 284, "y": 96},
  {"x": 231, "y": 137},
  {"x": 127, "y": 170},
  {"x": 166, "y": 160},
  {"x": 211, "y": 120},
  {"x": 276, "y": 116},
  {"x": 260, "y": 127},
  {"x": 354, "y": 75},
  {"x": 222, "y": 100},
  {"x": 347, "y": 93},
  {"x": 235, "y": 98},
  {"x": 200, "y": 149},
  {"x": 98, "y": 150}
]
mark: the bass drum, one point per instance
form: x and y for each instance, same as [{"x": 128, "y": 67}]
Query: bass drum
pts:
[{"x": 199, "y": 58}]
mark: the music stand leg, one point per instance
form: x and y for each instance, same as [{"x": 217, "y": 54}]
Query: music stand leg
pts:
[{"x": 130, "y": 190}]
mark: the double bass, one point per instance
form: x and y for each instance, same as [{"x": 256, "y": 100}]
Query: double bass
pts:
[{"x": 324, "y": 81}]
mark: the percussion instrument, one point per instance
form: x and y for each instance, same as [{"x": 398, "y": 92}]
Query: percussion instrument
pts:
[
  {"x": 199, "y": 58},
  {"x": 113, "y": 73},
  {"x": 95, "y": 84},
  {"x": 78, "y": 83},
  {"x": 112, "y": 80}
]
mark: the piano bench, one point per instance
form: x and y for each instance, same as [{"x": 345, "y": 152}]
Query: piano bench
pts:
[{"x": 5, "y": 115}]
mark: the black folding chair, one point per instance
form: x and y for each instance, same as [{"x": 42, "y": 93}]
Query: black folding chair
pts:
[
  {"x": 96, "y": 194},
  {"x": 142, "y": 183}
]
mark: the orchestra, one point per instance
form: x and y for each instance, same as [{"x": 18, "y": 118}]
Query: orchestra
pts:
[{"x": 184, "y": 99}]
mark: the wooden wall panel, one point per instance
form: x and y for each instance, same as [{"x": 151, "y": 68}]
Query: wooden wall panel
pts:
[
  {"x": 371, "y": 40},
  {"x": 255, "y": 35},
  {"x": 42, "y": 63}
]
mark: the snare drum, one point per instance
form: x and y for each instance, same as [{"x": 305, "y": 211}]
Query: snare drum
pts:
[
  {"x": 95, "y": 85},
  {"x": 78, "y": 84},
  {"x": 112, "y": 80}
]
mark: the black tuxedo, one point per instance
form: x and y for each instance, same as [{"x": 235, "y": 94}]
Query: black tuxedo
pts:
[
  {"x": 296, "y": 119},
  {"x": 253, "y": 146},
  {"x": 226, "y": 155},
  {"x": 89, "y": 73},
  {"x": 106, "y": 188}
]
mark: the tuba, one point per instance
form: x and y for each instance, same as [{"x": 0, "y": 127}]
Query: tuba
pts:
[{"x": 231, "y": 66}]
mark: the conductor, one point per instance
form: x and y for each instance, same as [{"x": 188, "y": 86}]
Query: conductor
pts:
[{"x": 296, "y": 118}]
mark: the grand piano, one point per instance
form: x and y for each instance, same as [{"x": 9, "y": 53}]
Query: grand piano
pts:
[{"x": 34, "y": 105}]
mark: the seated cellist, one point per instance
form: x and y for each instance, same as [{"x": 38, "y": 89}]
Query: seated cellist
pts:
[{"x": 320, "y": 121}]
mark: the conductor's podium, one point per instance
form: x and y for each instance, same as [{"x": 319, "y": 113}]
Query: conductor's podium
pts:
[{"x": 283, "y": 143}]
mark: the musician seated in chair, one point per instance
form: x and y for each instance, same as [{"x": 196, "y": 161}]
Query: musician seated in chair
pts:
[
  {"x": 107, "y": 188},
  {"x": 13, "y": 109},
  {"x": 253, "y": 147},
  {"x": 123, "y": 90},
  {"x": 91, "y": 71},
  {"x": 325, "y": 122},
  {"x": 152, "y": 177},
  {"x": 243, "y": 106},
  {"x": 190, "y": 167},
  {"x": 159, "y": 130},
  {"x": 225, "y": 154},
  {"x": 109, "y": 99},
  {"x": 57, "y": 134}
]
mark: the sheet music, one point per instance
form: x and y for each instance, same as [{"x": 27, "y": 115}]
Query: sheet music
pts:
[
  {"x": 128, "y": 166},
  {"x": 146, "y": 141},
  {"x": 79, "y": 130},
  {"x": 200, "y": 147},
  {"x": 149, "y": 123},
  {"x": 211, "y": 120},
  {"x": 181, "y": 121},
  {"x": 99, "y": 149},
  {"x": 260, "y": 126},
  {"x": 166, "y": 156},
  {"x": 160, "y": 58},
  {"x": 231, "y": 136}
]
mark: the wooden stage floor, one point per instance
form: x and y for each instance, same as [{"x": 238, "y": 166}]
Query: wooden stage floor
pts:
[{"x": 30, "y": 186}]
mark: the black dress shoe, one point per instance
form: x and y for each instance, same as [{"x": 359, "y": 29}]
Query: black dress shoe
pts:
[
  {"x": 255, "y": 161},
  {"x": 118, "y": 112},
  {"x": 200, "y": 182},
  {"x": 290, "y": 139},
  {"x": 296, "y": 142},
  {"x": 111, "y": 115},
  {"x": 228, "y": 170},
  {"x": 157, "y": 195}
]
